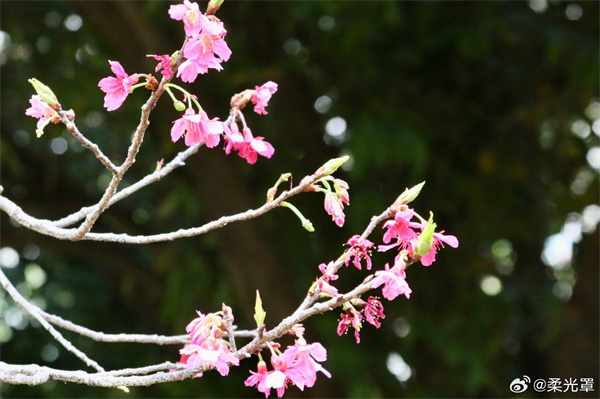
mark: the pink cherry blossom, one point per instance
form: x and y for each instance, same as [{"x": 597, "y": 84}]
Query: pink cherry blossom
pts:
[
  {"x": 42, "y": 111},
  {"x": 164, "y": 66},
  {"x": 353, "y": 318},
  {"x": 323, "y": 281},
  {"x": 247, "y": 146},
  {"x": 219, "y": 358},
  {"x": 197, "y": 128},
  {"x": 334, "y": 206},
  {"x": 262, "y": 95},
  {"x": 393, "y": 281},
  {"x": 117, "y": 88},
  {"x": 400, "y": 227},
  {"x": 258, "y": 379},
  {"x": 373, "y": 311},
  {"x": 438, "y": 240},
  {"x": 360, "y": 249},
  {"x": 190, "y": 14},
  {"x": 205, "y": 50},
  {"x": 307, "y": 358}
]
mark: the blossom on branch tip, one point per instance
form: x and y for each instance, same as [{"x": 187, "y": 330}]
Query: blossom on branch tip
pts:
[
  {"x": 205, "y": 50},
  {"x": 117, "y": 88},
  {"x": 261, "y": 96},
  {"x": 197, "y": 128},
  {"x": 190, "y": 14},
  {"x": 43, "y": 112},
  {"x": 393, "y": 281}
]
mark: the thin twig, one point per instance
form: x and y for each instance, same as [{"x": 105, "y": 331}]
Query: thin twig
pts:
[{"x": 35, "y": 312}]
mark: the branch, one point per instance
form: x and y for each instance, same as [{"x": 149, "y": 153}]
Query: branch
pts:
[
  {"x": 35, "y": 312},
  {"x": 49, "y": 228}
]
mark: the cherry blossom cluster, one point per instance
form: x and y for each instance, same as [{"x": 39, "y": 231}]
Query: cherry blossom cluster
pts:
[
  {"x": 414, "y": 240},
  {"x": 207, "y": 348},
  {"x": 211, "y": 336},
  {"x": 296, "y": 366}
]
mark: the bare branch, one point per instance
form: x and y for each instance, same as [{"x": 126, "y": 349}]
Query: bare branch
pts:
[{"x": 35, "y": 312}]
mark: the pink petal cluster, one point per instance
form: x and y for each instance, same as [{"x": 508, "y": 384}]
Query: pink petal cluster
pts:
[
  {"x": 261, "y": 96},
  {"x": 438, "y": 240},
  {"x": 206, "y": 47},
  {"x": 393, "y": 281},
  {"x": 42, "y": 111},
  {"x": 404, "y": 233},
  {"x": 117, "y": 88},
  {"x": 360, "y": 249},
  {"x": 197, "y": 128},
  {"x": 247, "y": 146},
  {"x": 335, "y": 200},
  {"x": 372, "y": 311},
  {"x": 164, "y": 66},
  {"x": 323, "y": 282},
  {"x": 297, "y": 365},
  {"x": 207, "y": 348},
  {"x": 190, "y": 14}
]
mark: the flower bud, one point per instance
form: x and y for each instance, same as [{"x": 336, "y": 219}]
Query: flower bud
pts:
[
  {"x": 409, "y": 194},
  {"x": 425, "y": 241},
  {"x": 213, "y": 6},
  {"x": 179, "y": 106},
  {"x": 332, "y": 165},
  {"x": 45, "y": 93}
]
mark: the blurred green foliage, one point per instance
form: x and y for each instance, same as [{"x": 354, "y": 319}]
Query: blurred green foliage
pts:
[{"x": 476, "y": 98}]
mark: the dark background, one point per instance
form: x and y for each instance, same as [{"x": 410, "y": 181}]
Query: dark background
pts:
[{"x": 477, "y": 98}]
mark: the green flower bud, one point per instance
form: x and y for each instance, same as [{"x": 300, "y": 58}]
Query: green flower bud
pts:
[
  {"x": 213, "y": 6},
  {"x": 410, "y": 194},
  {"x": 332, "y": 165},
  {"x": 179, "y": 105},
  {"x": 45, "y": 93},
  {"x": 425, "y": 241}
]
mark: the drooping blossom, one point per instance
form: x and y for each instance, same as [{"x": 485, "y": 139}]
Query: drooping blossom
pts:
[
  {"x": 350, "y": 318},
  {"x": 335, "y": 200},
  {"x": 247, "y": 146},
  {"x": 205, "y": 50},
  {"x": 117, "y": 88},
  {"x": 373, "y": 311},
  {"x": 43, "y": 112},
  {"x": 393, "y": 281},
  {"x": 197, "y": 128},
  {"x": 190, "y": 14},
  {"x": 306, "y": 361},
  {"x": 164, "y": 66},
  {"x": 323, "y": 281},
  {"x": 297, "y": 365},
  {"x": 360, "y": 249},
  {"x": 217, "y": 356},
  {"x": 439, "y": 239},
  {"x": 261, "y": 96},
  {"x": 258, "y": 379}
]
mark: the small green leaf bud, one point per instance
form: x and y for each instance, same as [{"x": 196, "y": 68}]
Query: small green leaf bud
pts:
[{"x": 259, "y": 312}]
